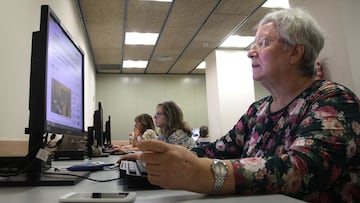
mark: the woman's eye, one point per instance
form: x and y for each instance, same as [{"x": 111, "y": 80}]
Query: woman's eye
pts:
[{"x": 263, "y": 43}]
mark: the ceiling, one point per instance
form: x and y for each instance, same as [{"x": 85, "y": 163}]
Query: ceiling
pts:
[{"x": 189, "y": 30}]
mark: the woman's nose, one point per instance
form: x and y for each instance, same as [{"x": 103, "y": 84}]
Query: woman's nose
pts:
[{"x": 252, "y": 53}]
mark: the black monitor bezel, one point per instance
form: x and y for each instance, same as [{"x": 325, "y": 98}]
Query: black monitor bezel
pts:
[{"x": 37, "y": 98}]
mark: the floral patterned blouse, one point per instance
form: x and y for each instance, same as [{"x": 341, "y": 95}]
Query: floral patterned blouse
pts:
[
  {"x": 147, "y": 135},
  {"x": 178, "y": 137},
  {"x": 309, "y": 150}
]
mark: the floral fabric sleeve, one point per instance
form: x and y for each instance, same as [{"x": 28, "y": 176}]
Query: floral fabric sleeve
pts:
[
  {"x": 180, "y": 137},
  {"x": 149, "y": 134}
]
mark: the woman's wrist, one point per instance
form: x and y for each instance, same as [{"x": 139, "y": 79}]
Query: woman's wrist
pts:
[
  {"x": 205, "y": 178},
  {"x": 202, "y": 174}
]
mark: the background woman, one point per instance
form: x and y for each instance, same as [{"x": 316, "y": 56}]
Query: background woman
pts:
[
  {"x": 144, "y": 129},
  {"x": 173, "y": 128}
]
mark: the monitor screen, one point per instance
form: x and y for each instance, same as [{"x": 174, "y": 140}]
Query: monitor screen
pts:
[
  {"x": 195, "y": 133},
  {"x": 64, "y": 81}
]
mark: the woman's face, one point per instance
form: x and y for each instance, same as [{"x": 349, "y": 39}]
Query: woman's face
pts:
[
  {"x": 160, "y": 118},
  {"x": 270, "y": 61}
]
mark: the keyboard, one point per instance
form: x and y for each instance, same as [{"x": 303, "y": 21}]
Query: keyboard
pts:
[{"x": 134, "y": 175}]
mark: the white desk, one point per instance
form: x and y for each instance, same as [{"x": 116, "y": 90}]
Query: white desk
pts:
[{"x": 51, "y": 194}]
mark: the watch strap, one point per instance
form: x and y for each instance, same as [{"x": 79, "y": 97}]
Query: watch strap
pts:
[{"x": 218, "y": 176}]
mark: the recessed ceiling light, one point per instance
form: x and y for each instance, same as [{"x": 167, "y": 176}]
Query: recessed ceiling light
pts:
[
  {"x": 134, "y": 64},
  {"x": 276, "y": 4},
  {"x": 137, "y": 38},
  {"x": 236, "y": 41}
]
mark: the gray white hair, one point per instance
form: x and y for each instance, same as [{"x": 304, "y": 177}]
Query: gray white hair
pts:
[{"x": 296, "y": 26}]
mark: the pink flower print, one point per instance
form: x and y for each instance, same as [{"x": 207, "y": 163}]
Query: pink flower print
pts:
[
  {"x": 254, "y": 139},
  {"x": 307, "y": 121},
  {"x": 326, "y": 112},
  {"x": 220, "y": 146},
  {"x": 239, "y": 126},
  {"x": 295, "y": 107},
  {"x": 253, "y": 164}
]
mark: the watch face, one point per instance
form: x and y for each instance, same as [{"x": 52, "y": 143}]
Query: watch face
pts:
[{"x": 220, "y": 168}]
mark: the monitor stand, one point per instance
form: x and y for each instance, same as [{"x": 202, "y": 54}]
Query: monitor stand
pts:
[
  {"x": 65, "y": 155},
  {"x": 97, "y": 151},
  {"x": 61, "y": 178}
]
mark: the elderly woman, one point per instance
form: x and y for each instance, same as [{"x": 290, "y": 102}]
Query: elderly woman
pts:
[{"x": 302, "y": 140}]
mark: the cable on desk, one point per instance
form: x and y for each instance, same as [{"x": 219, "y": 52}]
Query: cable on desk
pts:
[
  {"x": 15, "y": 165},
  {"x": 12, "y": 172}
]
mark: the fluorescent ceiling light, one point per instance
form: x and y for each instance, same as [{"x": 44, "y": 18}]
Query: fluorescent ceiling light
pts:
[
  {"x": 202, "y": 65},
  {"x": 134, "y": 64},
  {"x": 137, "y": 38},
  {"x": 236, "y": 41},
  {"x": 276, "y": 4}
]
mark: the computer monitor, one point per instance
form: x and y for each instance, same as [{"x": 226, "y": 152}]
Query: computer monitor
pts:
[
  {"x": 195, "y": 133},
  {"x": 98, "y": 126},
  {"x": 56, "y": 99},
  {"x": 96, "y": 140},
  {"x": 107, "y": 133}
]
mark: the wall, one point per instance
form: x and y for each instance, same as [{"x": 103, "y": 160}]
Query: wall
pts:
[
  {"x": 18, "y": 19},
  {"x": 230, "y": 89},
  {"x": 125, "y": 96},
  {"x": 351, "y": 14},
  {"x": 260, "y": 91},
  {"x": 339, "y": 20}
]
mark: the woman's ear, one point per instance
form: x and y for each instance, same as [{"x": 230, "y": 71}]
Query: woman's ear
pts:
[{"x": 297, "y": 54}]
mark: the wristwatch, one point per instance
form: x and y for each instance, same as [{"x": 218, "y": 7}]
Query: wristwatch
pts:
[{"x": 220, "y": 171}]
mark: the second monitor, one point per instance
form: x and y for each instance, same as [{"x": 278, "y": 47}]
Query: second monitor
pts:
[{"x": 99, "y": 141}]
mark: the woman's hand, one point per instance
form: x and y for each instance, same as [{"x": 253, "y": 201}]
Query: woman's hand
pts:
[
  {"x": 115, "y": 148},
  {"x": 130, "y": 156},
  {"x": 175, "y": 167},
  {"x": 169, "y": 166},
  {"x": 122, "y": 149}
]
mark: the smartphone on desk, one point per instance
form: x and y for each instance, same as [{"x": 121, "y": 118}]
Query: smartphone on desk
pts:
[{"x": 98, "y": 197}]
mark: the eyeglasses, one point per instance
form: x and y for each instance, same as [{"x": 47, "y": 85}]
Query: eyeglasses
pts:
[
  {"x": 261, "y": 43},
  {"x": 157, "y": 114}
]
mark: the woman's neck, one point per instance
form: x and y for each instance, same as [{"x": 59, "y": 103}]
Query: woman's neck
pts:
[{"x": 288, "y": 93}]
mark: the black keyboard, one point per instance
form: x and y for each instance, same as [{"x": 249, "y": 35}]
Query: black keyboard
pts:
[{"x": 134, "y": 175}]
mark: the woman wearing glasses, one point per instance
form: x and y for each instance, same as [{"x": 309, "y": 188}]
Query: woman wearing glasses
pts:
[
  {"x": 173, "y": 129},
  {"x": 302, "y": 141}
]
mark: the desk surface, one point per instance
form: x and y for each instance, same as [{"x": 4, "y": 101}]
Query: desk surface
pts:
[{"x": 51, "y": 194}]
